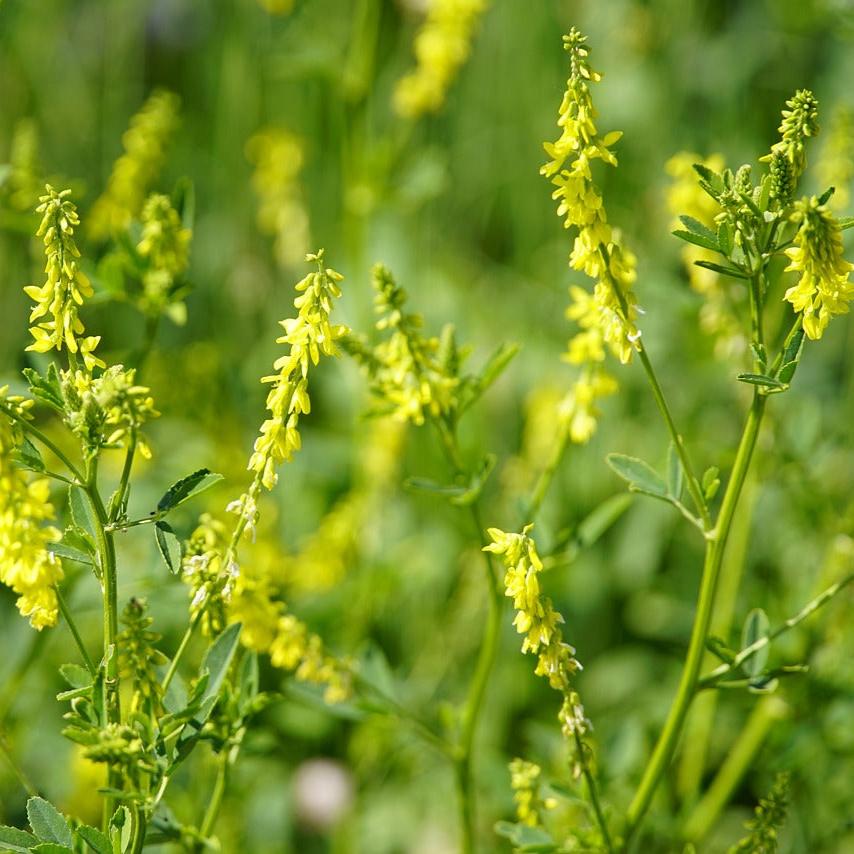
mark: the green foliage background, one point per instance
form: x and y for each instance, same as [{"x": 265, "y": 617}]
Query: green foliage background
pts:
[{"x": 455, "y": 206}]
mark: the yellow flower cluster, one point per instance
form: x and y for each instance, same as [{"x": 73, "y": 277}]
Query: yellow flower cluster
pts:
[
  {"x": 66, "y": 286},
  {"x": 307, "y": 335},
  {"x": 686, "y": 197},
  {"x": 103, "y": 410},
  {"x": 144, "y": 144},
  {"x": 165, "y": 246},
  {"x": 835, "y": 168},
  {"x": 539, "y": 622},
  {"x": 26, "y": 564},
  {"x": 278, "y": 159},
  {"x": 407, "y": 371},
  {"x": 823, "y": 289},
  {"x": 800, "y": 121},
  {"x": 605, "y": 317},
  {"x": 250, "y": 597},
  {"x": 442, "y": 46},
  {"x": 524, "y": 780}
]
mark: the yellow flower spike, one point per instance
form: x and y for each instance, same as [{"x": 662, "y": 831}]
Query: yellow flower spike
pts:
[
  {"x": 307, "y": 335},
  {"x": 524, "y": 780},
  {"x": 66, "y": 287},
  {"x": 606, "y": 316},
  {"x": 144, "y": 143},
  {"x": 539, "y": 622},
  {"x": 441, "y": 48},
  {"x": 824, "y": 289}
]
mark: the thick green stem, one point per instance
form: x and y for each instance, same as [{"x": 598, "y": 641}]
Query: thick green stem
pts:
[
  {"x": 716, "y": 544},
  {"x": 107, "y": 559}
]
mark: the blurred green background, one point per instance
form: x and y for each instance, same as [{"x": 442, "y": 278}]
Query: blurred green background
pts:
[{"x": 453, "y": 203}]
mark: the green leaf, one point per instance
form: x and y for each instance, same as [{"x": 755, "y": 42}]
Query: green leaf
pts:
[
  {"x": 641, "y": 476},
  {"x": 756, "y": 626},
  {"x": 69, "y": 553},
  {"x": 696, "y": 239},
  {"x": 169, "y": 546},
  {"x": 51, "y": 848},
  {"x": 81, "y": 511},
  {"x": 725, "y": 237},
  {"x": 47, "y": 822},
  {"x": 46, "y": 389},
  {"x": 76, "y": 676},
  {"x": 734, "y": 272},
  {"x": 718, "y": 647},
  {"x": 216, "y": 664},
  {"x": 845, "y": 222},
  {"x": 14, "y": 840},
  {"x": 94, "y": 839},
  {"x": 696, "y": 227},
  {"x": 186, "y": 488},
  {"x": 121, "y": 828},
  {"x": 478, "y": 481},
  {"x": 527, "y": 839},
  {"x": 423, "y": 484},
  {"x": 824, "y": 198},
  {"x": 27, "y": 455},
  {"x": 760, "y": 380}
]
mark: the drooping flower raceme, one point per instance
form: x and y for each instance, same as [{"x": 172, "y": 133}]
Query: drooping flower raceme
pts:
[
  {"x": 54, "y": 317},
  {"x": 442, "y": 46},
  {"x": 539, "y": 622},
  {"x": 308, "y": 335},
  {"x": 606, "y": 316},
  {"x": 26, "y": 564},
  {"x": 824, "y": 289},
  {"x": 144, "y": 143}
]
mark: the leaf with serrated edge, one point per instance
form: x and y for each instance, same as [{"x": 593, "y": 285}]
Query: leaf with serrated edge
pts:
[
  {"x": 186, "y": 488},
  {"x": 47, "y": 822}
]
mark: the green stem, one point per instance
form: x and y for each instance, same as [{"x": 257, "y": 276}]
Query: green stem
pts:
[
  {"x": 66, "y": 614},
  {"x": 107, "y": 559},
  {"x": 713, "y": 678},
  {"x": 124, "y": 481},
  {"x": 593, "y": 792},
  {"x": 765, "y": 714},
  {"x": 715, "y": 546},
  {"x": 544, "y": 481},
  {"x": 217, "y": 796},
  {"x": 486, "y": 658},
  {"x": 48, "y": 443}
]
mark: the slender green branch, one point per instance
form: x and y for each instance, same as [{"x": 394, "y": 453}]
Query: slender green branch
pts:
[
  {"x": 544, "y": 481},
  {"x": 220, "y": 785},
  {"x": 713, "y": 678},
  {"x": 66, "y": 614},
  {"x": 715, "y": 546},
  {"x": 34, "y": 431},
  {"x": 593, "y": 792}
]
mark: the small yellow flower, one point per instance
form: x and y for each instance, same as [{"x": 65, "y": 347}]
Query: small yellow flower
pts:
[
  {"x": 524, "y": 780},
  {"x": 66, "y": 286},
  {"x": 823, "y": 289},
  {"x": 442, "y": 46}
]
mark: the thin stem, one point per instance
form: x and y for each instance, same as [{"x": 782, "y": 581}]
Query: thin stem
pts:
[
  {"x": 217, "y": 796},
  {"x": 485, "y": 661},
  {"x": 66, "y": 614},
  {"x": 48, "y": 443},
  {"x": 544, "y": 481},
  {"x": 715, "y": 546},
  {"x": 124, "y": 481},
  {"x": 182, "y": 648},
  {"x": 692, "y": 483},
  {"x": 593, "y": 792},
  {"x": 713, "y": 678}
]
